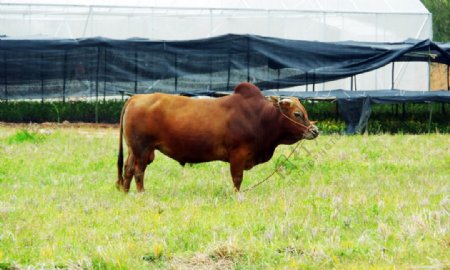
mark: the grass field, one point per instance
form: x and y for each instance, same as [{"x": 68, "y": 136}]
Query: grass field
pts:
[{"x": 345, "y": 202}]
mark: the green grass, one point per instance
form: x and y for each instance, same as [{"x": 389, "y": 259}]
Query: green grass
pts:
[{"x": 346, "y": 202}]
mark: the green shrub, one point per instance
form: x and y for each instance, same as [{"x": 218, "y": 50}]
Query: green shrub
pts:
[
  {"x": 72, "y": 111},
  {"x": 23, "y": 136}
]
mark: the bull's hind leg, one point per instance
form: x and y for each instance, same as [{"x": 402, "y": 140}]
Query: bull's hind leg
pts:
[
  {"x": 129, "y": 172},
  {"x": 140, "y": 166},
  {"x": 119, "y": 182}
]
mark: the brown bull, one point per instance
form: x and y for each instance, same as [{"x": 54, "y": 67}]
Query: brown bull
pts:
[{"x": 243, "y": 129}]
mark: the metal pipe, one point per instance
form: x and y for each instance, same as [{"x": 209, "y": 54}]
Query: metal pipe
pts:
[
  {"x": 96, "y": 84},
  {"x": 104, "y": 74},
  {"x": 429, "y": 69},
  {"x": 392, "y": 76},
  {"x": 351, "y": 83},
  {"x": 41, "y": 72},
  {"x": 5, "y": 77},
  {"x": 248, "y": 59},
  {"x": 314, "y": 82},
  {"x": 64, "y": 77},
  {"x": 135, "y": 72},
  {"x": 176, "y": 72},
  {"x": 403, "y": 110},
  {"x": 278, "y": 79},
  {"x": 306, "y": 82},
  {"x": 228, "y": 72},
  {"x": 210, "y": 72}
]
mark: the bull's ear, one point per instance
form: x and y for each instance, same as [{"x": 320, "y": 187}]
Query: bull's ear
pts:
[{"x": 286, "y": 103}]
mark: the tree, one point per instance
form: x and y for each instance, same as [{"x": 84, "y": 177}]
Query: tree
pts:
[{"x": 441, "y": 18}]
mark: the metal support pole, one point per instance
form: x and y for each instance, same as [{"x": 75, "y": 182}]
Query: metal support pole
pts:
[
  {"x": 403, "y": 110},
  {"x": 351, "y": 83},
  {"x": 336, "y": 115},
  {"x": 104, "y": 75},
  {"x": 210, "y": 73},
  {"x": 278, "y": 79},
  {"x": 41, "y": 72},
  {"x": 228, "y": 72},
  {"x": 356, "y": 88},
  {"x": 248, "y": 59},
  {"x": 64, "y": 77},
  {"x": 176, "y": 72},
  {"x": 429, "y": 70},
  {"x": 392, "y": 84},
  {"x": 91, "y": 78},
  {"x": 306, "y": 78},
  {"x": 5, "y": 76},
  {"x": 135, "y": 72},
  {"x": 392, "y": 76},
  {"x": 314, "y": 82},
  {"x": 431, "y": 116},
  {"x": 96, "y": 84},
  {"x": 430, "y": 105}
]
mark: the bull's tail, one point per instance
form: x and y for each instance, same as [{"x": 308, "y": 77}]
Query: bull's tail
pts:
[{"x": 120, "y": 157}]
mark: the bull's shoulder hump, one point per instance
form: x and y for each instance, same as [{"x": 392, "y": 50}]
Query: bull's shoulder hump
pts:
[
  {"x": 248, "y": 90},
  {"x": 153, "y": 97},
  {"x": 146, "y": 102}
]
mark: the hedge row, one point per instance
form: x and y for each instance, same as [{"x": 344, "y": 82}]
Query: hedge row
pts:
[
  {"x": 74, "y": 111},
  {"x": 410, "y": 118},
  {"x": 384, "y": 118}
]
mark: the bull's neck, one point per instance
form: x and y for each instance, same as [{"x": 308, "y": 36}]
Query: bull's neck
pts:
[
  {"x": 272, "y": 134},
  {"x": 285, "y": 132}
]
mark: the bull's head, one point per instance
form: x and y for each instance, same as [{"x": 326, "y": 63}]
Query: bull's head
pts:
[{"x": 292, "y": 109}]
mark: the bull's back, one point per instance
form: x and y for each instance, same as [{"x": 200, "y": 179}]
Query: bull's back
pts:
[{"x": 188, "y": 130}]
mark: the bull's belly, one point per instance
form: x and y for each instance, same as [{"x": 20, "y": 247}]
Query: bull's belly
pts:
[
  {"x": 193, "y": 153},
  {"x": 183, "y": 159}
]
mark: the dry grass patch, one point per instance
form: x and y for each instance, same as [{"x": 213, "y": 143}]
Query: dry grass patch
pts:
[{"x": 222, "y": 256}]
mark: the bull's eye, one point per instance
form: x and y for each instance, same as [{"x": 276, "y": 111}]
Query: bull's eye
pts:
[{"x": 298, "y": 114}]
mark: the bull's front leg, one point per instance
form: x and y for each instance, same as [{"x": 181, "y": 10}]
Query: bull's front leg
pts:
[
  {"x": 237, "y": 165},
  {"x": 237, "y": 173}
]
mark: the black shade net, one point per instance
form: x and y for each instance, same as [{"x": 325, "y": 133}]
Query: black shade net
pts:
[{"x": 92, "y": 67}]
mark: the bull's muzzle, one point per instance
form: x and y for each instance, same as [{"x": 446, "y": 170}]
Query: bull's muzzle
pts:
[{"x": 312, "y": 132}]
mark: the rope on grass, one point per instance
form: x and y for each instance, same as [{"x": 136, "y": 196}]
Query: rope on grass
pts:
[{"x": 276, "y": 169}]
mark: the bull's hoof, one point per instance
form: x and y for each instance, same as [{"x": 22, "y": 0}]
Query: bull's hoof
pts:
[
  {"x": 119, "y": 185},
  {"x": 240, "y": 196}
]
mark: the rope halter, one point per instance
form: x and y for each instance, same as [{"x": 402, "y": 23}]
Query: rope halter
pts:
[{"x": 306, "y": 128}]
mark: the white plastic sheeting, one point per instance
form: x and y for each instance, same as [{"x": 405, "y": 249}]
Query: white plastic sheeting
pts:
[{"x": 322, "y": 20}]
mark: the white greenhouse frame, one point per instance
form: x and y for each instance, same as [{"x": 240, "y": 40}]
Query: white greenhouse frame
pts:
[{"x": 321, "y": 20}]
